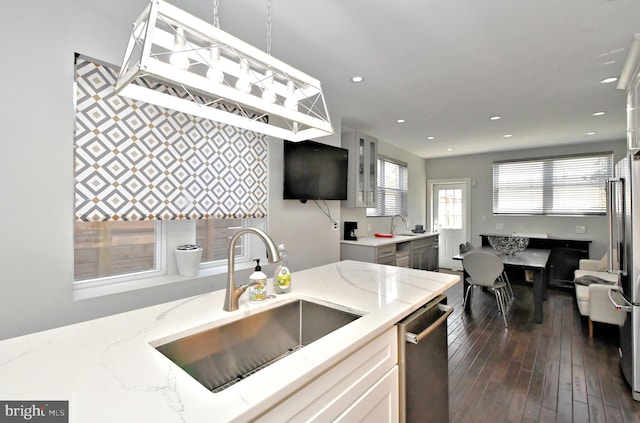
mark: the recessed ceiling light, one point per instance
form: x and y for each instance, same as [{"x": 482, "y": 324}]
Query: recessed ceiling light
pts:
[
  {"x": 449, "y": 149},
  {"x": 599, "y": 113},
  {"x": 507, "y": 135},
  {"x": 400, "y": 120},
  {"x": 609, "y": 80},
  {"x": 495, "y": 117},
  {"x": 591, "y": 133},
  {"x": 431, "y": 138},
  {"x": 357, "y": 79}
]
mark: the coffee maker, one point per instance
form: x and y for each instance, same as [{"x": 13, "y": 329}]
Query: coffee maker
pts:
[{"x": 350, "y": 231}]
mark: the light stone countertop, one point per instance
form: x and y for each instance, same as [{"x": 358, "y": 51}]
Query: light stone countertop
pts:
[
  {"x": 373, "y": 241},
  {"x": 109, "y": 372}
]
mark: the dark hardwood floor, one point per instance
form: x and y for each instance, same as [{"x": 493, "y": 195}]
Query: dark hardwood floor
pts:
[{"x": 550, "y": 372}]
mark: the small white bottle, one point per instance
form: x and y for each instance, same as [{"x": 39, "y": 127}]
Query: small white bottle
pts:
[
  {"x": 282, "y": 275},
  {"x": 258, "y": 282}
]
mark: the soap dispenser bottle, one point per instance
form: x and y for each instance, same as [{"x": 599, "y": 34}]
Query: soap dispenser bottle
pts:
[
  {"x": 282, "y": 275},
  {"x": 257, "y": 284}
]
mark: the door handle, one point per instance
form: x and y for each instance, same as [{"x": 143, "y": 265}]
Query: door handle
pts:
[
  {"x": 616, "y": 253},
  {"x": 414, "y": 339}
]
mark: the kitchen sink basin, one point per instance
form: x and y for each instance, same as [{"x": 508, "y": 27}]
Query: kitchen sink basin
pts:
[{"x": 224, "y": 355}]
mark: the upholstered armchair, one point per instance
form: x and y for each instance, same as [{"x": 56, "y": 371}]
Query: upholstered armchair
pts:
[{"x": 592, "y": 284}]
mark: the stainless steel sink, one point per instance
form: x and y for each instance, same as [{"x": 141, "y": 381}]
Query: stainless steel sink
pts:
[{"x": 224, "y": 355}]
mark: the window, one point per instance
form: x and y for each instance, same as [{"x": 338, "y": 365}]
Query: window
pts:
[
  {"x": 567, "y": 185},
  {"x": 149, "y": 178},
  {"x": 392, "y": 189},
  {"x": 104, "y": 249},
  {"x": 449, "y": 208},
  {"x": 214, "y": 236}
]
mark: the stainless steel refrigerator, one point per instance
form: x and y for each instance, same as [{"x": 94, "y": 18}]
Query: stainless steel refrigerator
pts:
[{"x": 623, "y": 193}]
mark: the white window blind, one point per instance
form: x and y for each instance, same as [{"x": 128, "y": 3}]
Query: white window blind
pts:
[
  {"x": 567, "y": 185},
  {"x": 392, "y": 189}
]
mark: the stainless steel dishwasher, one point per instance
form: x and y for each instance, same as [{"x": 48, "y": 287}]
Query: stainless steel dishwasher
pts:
[{"x": 423, "y": 363}]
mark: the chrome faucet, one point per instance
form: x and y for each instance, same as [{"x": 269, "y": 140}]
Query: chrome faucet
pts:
[
  {"x": 392, "y": 225},
  {"x": 233, "y": 293}
]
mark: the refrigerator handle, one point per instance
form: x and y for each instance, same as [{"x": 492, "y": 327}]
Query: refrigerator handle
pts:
[
  {"x": 614, "y": 253},
  {"x": 626, "y": 306}
]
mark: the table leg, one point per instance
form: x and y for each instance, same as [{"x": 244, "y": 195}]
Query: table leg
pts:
[{"x": 539, "y": 293}]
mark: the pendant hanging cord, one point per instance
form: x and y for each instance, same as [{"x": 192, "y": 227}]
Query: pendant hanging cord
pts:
[
  {"x": 269, "y": 27},
  {"x": 216, "y": 17}
]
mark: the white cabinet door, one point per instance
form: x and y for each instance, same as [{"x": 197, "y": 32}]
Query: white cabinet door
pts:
[
  {"x": 339, "y": 389},
  {"x": 378, "y": 405},
  {"x": 363, "y": 169}
]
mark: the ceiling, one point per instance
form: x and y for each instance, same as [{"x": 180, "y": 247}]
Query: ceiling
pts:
[{"x": 447, "y": 66}]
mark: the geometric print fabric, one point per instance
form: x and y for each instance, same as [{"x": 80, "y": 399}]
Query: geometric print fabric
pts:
[{"x": 138, "y": 161}]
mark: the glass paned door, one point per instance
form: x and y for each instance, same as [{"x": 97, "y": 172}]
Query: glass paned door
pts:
[
  {"x": 360, "y": 195},
  {"x": 372, "y": 169},
  {"x": 450, "y": 208},
  {"x": 449, "y": 205}
]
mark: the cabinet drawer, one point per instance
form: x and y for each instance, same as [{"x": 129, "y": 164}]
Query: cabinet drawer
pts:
[
  {"x": 379, "y": 404},
  {"x": 341, "y": 388},
  {"x": 386, "y": 251},
  {"x": 420, "y": 243},
  {"x": 423, "y": 242}
]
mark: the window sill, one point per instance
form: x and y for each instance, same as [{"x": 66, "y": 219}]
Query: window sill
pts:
[{"x": 85, "y": 291}]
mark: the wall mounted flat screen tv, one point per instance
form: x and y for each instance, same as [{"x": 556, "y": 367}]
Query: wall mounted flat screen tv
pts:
[{"x": 314, "y": 171}]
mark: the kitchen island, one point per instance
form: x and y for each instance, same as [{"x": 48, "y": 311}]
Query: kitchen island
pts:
[{"x": 109, "y": 370}]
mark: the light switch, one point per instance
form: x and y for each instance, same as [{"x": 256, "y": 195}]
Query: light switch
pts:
[{"x": 581, "y": 229}]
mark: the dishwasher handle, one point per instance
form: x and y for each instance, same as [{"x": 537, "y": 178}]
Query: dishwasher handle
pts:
[{"x": 416, "y": 338}]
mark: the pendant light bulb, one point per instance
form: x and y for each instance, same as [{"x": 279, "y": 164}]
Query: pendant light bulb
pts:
[
  {"x": 268, "y": 94},
  {"x": 243, "y": 83},
  {"x": 179, "y": 58},
  {"x": 214, "y": 73},
  {"x": 291, "y": 102}
]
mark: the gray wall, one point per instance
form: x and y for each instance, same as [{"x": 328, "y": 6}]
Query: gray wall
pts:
[
  {"x": 479, "y": 169},
  {"x": 36, "y": 217}
]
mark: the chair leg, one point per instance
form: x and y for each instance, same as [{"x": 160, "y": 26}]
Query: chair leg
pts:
[
  {"x": 501, "y": 305},
  {"x": 509, "y": 295},
  {"x": 466, "y": 297},
  {"x": 590, "y": 328},
  {"x": 512, "y": 296}
]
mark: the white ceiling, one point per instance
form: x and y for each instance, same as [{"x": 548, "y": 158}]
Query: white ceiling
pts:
[{"x": 446, "y": 66}]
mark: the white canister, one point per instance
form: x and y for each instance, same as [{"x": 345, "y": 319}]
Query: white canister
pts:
[{"x": 188, "y": 259}]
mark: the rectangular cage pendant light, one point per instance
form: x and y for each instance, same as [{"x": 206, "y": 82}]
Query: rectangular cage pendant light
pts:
[{"x": 219, "y": 77}]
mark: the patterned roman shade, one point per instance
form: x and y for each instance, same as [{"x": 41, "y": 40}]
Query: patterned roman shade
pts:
[{"x": 136, "y": 161}]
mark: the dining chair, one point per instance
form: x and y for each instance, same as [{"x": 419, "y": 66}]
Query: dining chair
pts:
[
  {"x": 467, "y": 246},
  {"x": 484, "y": 270}
]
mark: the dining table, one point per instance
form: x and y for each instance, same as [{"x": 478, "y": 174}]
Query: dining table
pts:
[{"x": 535, "y": 260}]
